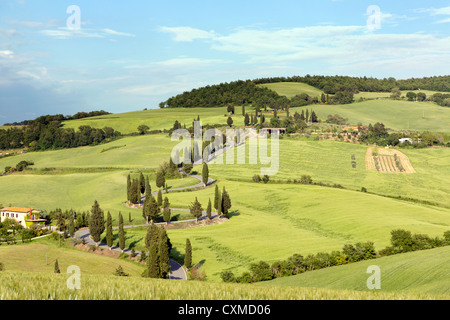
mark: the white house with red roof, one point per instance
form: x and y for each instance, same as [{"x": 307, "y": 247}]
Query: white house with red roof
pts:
[{"x": 25, "y": 216}]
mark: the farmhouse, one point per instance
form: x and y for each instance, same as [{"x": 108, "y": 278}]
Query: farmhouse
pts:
[{"x": 25, "y": 216}]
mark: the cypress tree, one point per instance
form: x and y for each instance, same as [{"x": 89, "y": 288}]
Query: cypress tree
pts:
[
  {"x": 121, "y": 233},
  {"x": 160, "y": 198},
  {"x": 246, "y": 120},
  {"x": 226, "y": 202},
  {"x": 208, "y": 210},
  {"x": 160, "y": 180},
  {"x": 151, "y": 236},
  {"x": 216, "y": 197},
  {"x": 96, "y": 222},
  {"x": 152, "y": 262},
  {"x": 142, "y": 183},
  {"x": 219, "y": 205},
  {"x": 129, "y": 217},
  {"x": 153, "y": 209},
  {"x": 188, "y": 255},
  {"x": 71, "y": 226},
  {"x": 148, "y": 188},
  {"x": 129, "y": 188},
  {"x": 205, "y": 174},
  {"x": 138, "y": 192},
  {"x": 167, "y": 213},
  {"x": 56, "y": 268},
  {"x": 109, "y": 231},
  {"x": 163, "y": 251},
  {"x": 196, "y": 209},
  {"x": 146, "y": 208}
]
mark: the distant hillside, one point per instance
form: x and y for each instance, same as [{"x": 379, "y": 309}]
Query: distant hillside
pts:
[{"x": 251, "y": 92}]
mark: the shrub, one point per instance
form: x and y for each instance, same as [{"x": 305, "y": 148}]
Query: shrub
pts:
[
  {"x": 402, "y": 240},
  {"x": 266, "y": 178},
  {"x": 2, "y": 267},
  {"x": 246, "y": 277},
  {"x": 257, "y": 178},
  {"x": 261, "y": 271},
  {"x": 228, "y": 276},
  {"x": 447, "y": 237},
  {"x": 120, "y": 273}
]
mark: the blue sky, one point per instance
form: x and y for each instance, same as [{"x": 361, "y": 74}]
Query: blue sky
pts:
[{"x": 131, "y": 55}]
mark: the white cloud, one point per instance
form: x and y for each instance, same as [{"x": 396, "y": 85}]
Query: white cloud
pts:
[
  {"x": 187, "y": 34},
  {"x": 117, "y": 33},
  {"x": 66, "y": 33}
]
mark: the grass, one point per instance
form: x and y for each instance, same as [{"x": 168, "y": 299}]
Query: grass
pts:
[
  {"x": 156, "y": 119},
  {"x": 76, "y": 191},
  {"x": 39, "y": 256},
  {"x": 319, "y": 159},
  {"x": 37, "y": 286},
  {"x": 396, "y": 115},
  {"x": 131, "y": 152},
  {"x": 272, "y": 222},
  {"x": 420, "y": 272},
  {"x": 291, "y": 89}
]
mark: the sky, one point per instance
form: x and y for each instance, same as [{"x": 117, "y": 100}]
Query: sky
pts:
[{"x": 62, "y": 57}]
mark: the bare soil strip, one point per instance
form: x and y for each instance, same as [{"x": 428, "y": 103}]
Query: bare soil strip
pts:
[{"x": 386, "y": 161}]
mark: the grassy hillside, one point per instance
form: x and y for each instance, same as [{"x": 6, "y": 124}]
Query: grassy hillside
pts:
[
  {"x": 76, "y": 191},
  {"x": 291, "y": 89},
  {"x": 130, "y": 152},
  {"x": 272, "y": 222},
  {"x": 157, "y": 119},
  {"x": 421, "y": 272},
  {"x": 320, "y": 160},
  {"x": 396, "y": 115},
  {"x": 39, "y": 256}
]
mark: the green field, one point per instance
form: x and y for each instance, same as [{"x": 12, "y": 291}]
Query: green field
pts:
[
  {"x": 40, "y": 255},
  {"x": 157, "y": 119},
  {"x": 421, "y": 272},
  {"x": 291, "y": 89},
  {"x": 38, "y": 286},
  {"x": 130, "y": 152},
  {"x": 396, "y": 115},
  {"x": 272, "y": 222},
  {"x": 319, "y": 159},
  {"x": 76, "y": 191}
]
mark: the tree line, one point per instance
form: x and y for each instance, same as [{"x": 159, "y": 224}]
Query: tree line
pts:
[
  {"x": 334, "y": 84},
  {"x": 79, "y": 115},
  {"x": 46, "y": 133},
  {"x": 401, "y": 241}
]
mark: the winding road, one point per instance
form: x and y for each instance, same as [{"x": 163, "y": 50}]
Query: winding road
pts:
[{"x": 177, "y": 270}]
